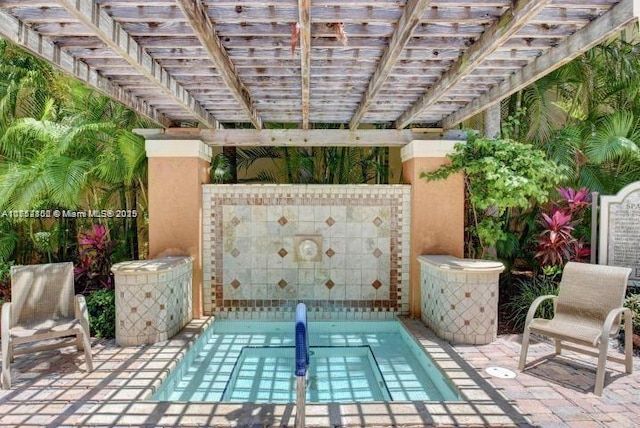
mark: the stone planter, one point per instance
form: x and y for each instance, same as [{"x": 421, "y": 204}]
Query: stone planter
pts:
[
  {"x": 153, "y": 299},
  {"x": 460, "y": 298}
]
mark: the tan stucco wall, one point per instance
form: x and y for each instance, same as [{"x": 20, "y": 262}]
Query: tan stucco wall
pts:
[
  {"x": 437, "y": 218},
  {"x": 175, "y": 213}
]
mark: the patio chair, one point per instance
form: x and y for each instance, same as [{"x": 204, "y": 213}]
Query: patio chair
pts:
[
  {"x": 42, "y": 308},
  {"x": 588, "y": 311}
]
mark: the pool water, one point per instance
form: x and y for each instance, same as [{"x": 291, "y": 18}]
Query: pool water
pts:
[{"x": 351, "y": 361}]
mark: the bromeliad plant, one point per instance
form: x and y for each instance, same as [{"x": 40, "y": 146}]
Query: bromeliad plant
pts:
[
  {"x": 558, "y": 243},
  {"x": 93, "y": 269}
]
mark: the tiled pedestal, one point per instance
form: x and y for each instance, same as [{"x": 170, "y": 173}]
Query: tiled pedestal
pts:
[
  {"x": 460, "y": 298},
  {"x": 153, "y": 299}
]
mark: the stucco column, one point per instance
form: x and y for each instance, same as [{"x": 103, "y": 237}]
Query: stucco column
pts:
[
  {"x": 177, "y": 169},
  {"x": 437, "y": 209}
]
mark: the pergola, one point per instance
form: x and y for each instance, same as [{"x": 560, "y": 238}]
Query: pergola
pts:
[{"x": 392, "y": 63}]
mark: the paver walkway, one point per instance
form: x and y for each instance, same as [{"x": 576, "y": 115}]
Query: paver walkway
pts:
[
  {"x": 558, "y": 391},
  {"x": 52, "y": 390}
]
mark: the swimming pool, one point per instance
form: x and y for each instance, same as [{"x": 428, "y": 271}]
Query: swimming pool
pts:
[{"x": 351, "y": 361}]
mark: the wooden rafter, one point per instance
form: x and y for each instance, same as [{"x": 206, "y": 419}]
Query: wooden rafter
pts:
[
  {"x": 621, "y": 15},
  {"x": 407, "y": 23},
  {"x": 110, "y": 32},
  {"x": 304, "y": 20},
  {"x": 494, "y": 37},
  {"x": 361, "y": 82},
  {"x": 203, "y": 28},
  {"x": 21, "y": 35}
]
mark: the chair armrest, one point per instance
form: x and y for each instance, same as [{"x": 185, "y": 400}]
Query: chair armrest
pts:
[
  {"x": 607, "y": 327},
  {"x": 82, "y": 312},
  {"x": 534, "y": 307},
  {"x": 5, "y": 321}
]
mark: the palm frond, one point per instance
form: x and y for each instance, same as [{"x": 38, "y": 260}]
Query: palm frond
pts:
[
  {"x": 610, "y": 140},
  {"x": 66, "y": 179}
]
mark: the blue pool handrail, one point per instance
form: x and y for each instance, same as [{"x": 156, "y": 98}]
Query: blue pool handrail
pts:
[{"x": 302, "y": 340}]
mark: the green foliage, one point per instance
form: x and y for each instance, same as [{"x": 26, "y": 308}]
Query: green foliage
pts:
[
  {"x": 8, "y": 240},
  {"x": 500, "y": 174},
  {"x": 318, "y": 165},
  {"x": 633, "y": 302},
  {"x": 64, "y": 146},
  {"x": 527, "y": 290},
  {"x": 102, "y": 313},
  {"x": 220, "y": 169},
  {"x": 5, "y": 280}
]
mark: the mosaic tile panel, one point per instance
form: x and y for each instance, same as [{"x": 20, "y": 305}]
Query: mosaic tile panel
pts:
[
  {"x": 460, "y": 303},
  {"x": 343, "y": 250},
  {"x": 153, "y": 299}
]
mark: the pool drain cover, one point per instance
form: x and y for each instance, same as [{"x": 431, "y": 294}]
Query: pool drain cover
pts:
[{"x": 500, "y": 372}]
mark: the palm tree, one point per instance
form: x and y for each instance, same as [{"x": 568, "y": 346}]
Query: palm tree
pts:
[
  {"x": 63, "y": 146},
  {"x": 585, "y": 115}
]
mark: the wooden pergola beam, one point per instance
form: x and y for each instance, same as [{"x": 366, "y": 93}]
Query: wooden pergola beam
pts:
[
  {"x": 288, "y": 137},
  {"x": 494, "y": 37},
  {"x": 304, "y": 20},
  {"x": 407, "y": 23},
  {"x": 597, "y": 31},
  {"x": 111, "y": 33},
  {"x": 22, "y": 35},
  {"x": 203, "y": 28}
]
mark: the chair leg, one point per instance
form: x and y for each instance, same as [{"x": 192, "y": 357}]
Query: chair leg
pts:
[
  {"x": 6, "y": 365},
  {"x": 558, "y": 344},
  {"x": 87, "y": 352},
  {"x": 80, "y": 341},
  {"x": 602, "y": 359},
  {"x": 524, "y": 349},
  {"x": 628, "y": 344}
]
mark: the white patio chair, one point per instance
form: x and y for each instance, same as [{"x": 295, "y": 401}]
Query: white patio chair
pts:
[
  {"x": 588, "y": 311},
  {"x": 42, "y": 308}
]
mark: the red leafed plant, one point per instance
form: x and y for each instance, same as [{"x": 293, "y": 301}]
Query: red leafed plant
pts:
[
  {"x": 93, "y": 268},
  {"x": 556, "y": 239},
  {"x": 576, "y": 201},
  {"x": 557, "y": 243}
]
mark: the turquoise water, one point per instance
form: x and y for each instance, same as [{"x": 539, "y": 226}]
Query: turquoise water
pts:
[{"x": 351, "y": 361}]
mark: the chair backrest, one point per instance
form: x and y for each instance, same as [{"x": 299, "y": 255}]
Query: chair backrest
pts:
[
  {"x": 42, "y": 292},
  {"x": 591, "y": 291}
]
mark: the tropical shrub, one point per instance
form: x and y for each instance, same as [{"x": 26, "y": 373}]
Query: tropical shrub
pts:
[
  {"x": 500, "y": 175},
  {"x": 102, "y": 313},
  {"x": 93, "y": 268},
  {"x": 633, "y": 302},
  {"x": 527, "y": 290},
  {"x": 557, "y": 243},
  {"x": 5, "y": 280}
]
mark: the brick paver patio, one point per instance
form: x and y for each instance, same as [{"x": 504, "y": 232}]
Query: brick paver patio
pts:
[{"x": 51, "y": 390}]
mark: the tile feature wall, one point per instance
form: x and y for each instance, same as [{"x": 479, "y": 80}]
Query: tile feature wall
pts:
[{"x": 343, "y": 250}]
